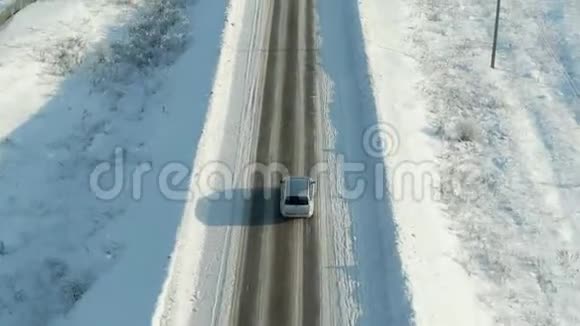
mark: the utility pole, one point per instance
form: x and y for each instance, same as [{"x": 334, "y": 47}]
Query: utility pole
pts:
[{"x": 495, "y": 34}]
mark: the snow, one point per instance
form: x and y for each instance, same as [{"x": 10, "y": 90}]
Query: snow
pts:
[
  {"x": 485, "y": 234},
  {"x": 372, "y": 285},
  {"x": 9, "y": 7},
  {"x": 437, "y": 283},
  {"x": 199, "y": 286},
  {"x": 339, "y": 289},
  {"x": 80, "y": 83},
  {"x": 49, "y": 222},
  {"x": 498, "y": 243}
]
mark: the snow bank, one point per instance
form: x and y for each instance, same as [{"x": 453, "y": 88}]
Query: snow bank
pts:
[{"x": 372, "y": 284}]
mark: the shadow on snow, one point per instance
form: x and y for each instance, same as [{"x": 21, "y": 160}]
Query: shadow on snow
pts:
[
  {"x": 45, "y": 165},
  {"x": 382, "y": 291}
]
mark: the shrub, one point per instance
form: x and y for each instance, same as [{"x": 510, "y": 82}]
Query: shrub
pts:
[
  {"x": 462, "y": 130},
  {"x": 157, "y": 37},
  {"x": 64, "y": 56}
]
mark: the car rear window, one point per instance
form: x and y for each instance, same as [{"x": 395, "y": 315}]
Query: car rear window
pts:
[{"x": 296, "y": 200}]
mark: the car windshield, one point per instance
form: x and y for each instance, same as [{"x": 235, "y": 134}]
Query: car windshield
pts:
[{"x": 296, "y": 200}]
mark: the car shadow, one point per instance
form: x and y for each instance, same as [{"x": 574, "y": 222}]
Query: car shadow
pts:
[{"x": 257, "y": 206}]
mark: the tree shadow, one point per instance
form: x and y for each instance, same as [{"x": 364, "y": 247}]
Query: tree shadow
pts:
[
  {"x": 382, "y": 286},
  {"x": 49, "y": 211}
]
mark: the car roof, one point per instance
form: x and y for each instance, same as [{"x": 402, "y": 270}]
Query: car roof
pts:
[{"x": 298, "y": 186}]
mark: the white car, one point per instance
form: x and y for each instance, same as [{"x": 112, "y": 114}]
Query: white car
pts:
[{"x": 297, "y": 198}]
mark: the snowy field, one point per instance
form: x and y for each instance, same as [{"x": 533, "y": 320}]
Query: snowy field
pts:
[
  {"x": 79, "y": 79},
  {"x": 518, "y": 219},
  {"x": 507, "y": 146}
]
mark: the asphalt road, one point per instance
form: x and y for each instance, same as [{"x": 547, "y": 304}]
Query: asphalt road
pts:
[{"x": 278, "y": 279}]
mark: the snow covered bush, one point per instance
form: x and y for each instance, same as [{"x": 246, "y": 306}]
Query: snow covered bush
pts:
[
  {"x": 65, "y": 55},
  {"x": 463, "y": 130},
  {"x": 157, "y": 37}
]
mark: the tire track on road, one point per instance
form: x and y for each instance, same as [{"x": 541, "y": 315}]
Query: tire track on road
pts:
[{"x": 278, "y": 282}]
